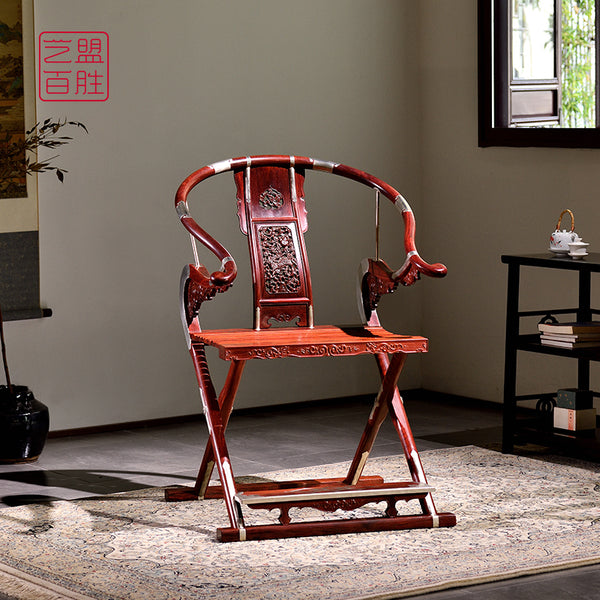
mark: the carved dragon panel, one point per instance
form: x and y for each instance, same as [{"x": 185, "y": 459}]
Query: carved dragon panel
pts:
[{"x": 281, "y": 271}]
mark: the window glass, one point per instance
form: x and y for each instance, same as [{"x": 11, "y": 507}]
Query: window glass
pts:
[
  {"x": 538, "y": 73},
  {"x": 533, "y": 39},
  {"x": 578, "y": 64}
]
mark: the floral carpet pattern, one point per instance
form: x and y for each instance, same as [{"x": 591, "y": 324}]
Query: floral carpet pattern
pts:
[{"x": 516, "y": 515}]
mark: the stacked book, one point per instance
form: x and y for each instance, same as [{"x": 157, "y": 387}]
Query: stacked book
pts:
[
  {"x": 570, "y": 335},
  {"x": 574, "y": 410}
]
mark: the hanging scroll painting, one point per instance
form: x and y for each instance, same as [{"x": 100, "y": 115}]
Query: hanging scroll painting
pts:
[{"x": 19, "y": 246}]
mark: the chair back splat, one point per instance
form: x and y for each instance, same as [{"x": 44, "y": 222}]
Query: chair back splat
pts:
[{"x": 272, "y": 214}]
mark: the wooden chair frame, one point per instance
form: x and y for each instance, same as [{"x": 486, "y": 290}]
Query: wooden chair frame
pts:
[{"x": 272, "y": 214}]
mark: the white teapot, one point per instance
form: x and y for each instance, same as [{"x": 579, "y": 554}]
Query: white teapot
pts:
[{"x": 560, "y": 239}]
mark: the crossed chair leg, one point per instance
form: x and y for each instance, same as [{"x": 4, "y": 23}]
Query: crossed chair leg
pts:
[{"x": 328, "y": 495}]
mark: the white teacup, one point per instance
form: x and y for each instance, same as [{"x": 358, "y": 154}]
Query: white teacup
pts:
[{"x": 578, "y": 249}]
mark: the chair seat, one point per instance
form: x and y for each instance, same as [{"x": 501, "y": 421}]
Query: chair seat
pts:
[{"x": 321, "y": 340}]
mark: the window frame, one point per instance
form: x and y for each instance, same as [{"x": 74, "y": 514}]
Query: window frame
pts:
[{"x": 490, "y": 135}]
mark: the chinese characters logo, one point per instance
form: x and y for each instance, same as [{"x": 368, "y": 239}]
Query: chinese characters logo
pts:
[{"x": 73, "y": 66}]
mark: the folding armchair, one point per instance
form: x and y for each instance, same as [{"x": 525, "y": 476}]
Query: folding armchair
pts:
[{"x": 272, "y": 214}]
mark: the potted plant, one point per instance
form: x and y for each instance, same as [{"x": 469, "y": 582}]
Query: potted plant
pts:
[{"x": 24, "y": 421}]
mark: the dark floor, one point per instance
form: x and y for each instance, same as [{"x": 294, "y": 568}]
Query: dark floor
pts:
[{"x": 270, "y": 439}]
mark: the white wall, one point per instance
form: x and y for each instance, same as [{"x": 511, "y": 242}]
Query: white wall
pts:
[
  {"x": 479, "y": 203},
  {"x": 193, "y": 82}
]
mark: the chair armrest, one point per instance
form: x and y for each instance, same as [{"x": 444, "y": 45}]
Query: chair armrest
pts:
[
  {"x": 414, "y": 265},
  {"x": 197, "y": 284},
  {"x": 228, "y": 272},
  {"x": 412, "y": 268}
]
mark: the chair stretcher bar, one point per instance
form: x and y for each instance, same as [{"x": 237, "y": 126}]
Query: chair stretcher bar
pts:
[
  {"x": 336, "y": 526},
  {"x": 333, "y": 492}
]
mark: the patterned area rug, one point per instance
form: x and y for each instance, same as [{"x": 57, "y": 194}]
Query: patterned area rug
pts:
[{"x": 516, "y": 516}]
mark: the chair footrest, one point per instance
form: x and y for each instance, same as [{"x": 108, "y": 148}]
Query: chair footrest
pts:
[
  {"x": 216, "y": 491},
  {"x": 184, "y": 493},
  {"x": 333, "y": 490}
]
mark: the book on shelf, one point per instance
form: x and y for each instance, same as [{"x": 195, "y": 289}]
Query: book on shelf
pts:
[
  {"x": 570, "y": 328},
  {"x": 574, "y": 420},
  {"x": 558, "y": 343},
  {"x": 574, "y": 399},
  {"x": 575, "y": 337}
]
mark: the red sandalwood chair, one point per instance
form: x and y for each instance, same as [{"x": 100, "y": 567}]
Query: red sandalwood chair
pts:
[{"x": 272, "y": 214}]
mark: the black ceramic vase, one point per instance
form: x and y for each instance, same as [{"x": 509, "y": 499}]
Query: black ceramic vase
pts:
[{"x": 24, "y": 423}]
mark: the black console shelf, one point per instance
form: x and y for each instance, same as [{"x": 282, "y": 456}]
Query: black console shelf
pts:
[{"x": 539, "y": 430}]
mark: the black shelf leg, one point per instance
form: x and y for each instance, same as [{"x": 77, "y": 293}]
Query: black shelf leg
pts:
[
  {"x": 510, "y": 359},
  {"x": 584, "y": 313}
]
